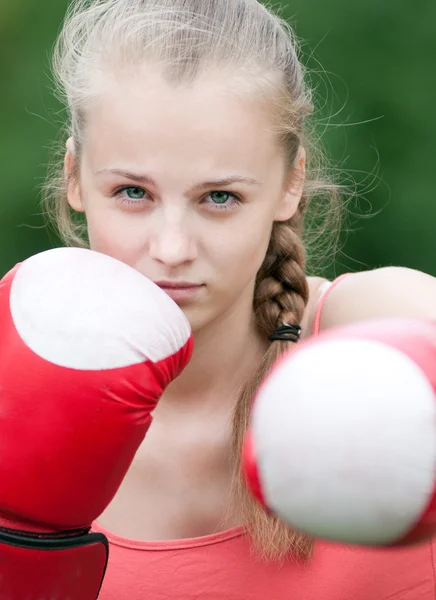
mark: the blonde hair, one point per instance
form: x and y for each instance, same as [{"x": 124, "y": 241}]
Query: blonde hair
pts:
[{"x": 185, "y": 38}]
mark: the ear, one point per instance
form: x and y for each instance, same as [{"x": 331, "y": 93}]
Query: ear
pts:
[
  {"x": 292, "y": 195},
  {"x": 70, "y": 171}
]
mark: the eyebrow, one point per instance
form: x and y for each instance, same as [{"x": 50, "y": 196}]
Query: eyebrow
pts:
[{"x": 144, "y": 178}]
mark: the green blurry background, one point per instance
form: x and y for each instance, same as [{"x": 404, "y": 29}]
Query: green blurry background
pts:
[{"x": 373, "y": 65}]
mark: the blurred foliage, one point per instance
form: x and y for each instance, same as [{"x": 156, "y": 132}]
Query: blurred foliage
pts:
[{"x": 372, "y": 65}]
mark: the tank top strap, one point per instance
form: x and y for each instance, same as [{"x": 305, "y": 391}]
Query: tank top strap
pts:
[{"x": 324, "y": 291}]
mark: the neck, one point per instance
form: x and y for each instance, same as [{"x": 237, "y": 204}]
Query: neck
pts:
[{"x": 226, "y": 352}]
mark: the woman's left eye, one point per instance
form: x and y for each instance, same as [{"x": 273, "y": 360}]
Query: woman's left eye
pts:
[{"x": 223, "y": 200}]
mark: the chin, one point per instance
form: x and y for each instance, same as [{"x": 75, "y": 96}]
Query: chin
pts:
[
  {"x": 198, "y": 318},
  {"x": 197, "y": 321}
]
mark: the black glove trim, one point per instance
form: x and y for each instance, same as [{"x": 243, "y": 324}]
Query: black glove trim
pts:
[{"x": 68, "y": 540}]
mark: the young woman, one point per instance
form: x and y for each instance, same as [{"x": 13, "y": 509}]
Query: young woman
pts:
[{"x": 189, "y": 157}]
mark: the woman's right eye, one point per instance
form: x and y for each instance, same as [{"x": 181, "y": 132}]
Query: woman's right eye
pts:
[{"x": 130, "y": 195}]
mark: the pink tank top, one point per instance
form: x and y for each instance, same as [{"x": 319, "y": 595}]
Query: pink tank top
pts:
[{"x": 220, "y": 566}]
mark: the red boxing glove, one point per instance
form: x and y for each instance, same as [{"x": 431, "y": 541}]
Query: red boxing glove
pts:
[
  {"x": 342, "y": 438},
  {"x": 87, "y": 346}
]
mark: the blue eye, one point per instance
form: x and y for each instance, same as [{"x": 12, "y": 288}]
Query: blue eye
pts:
[
  {"x": 219, "y": 197},
  {"x": 134, "y": 193},
  {"x": 224, "y": 200},
  {"x": 130, "y": 195}
]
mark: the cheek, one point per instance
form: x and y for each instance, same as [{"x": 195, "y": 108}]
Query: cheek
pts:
[
  {"x": 112, "y": 235},
  {"x": 242, "y": 250}
]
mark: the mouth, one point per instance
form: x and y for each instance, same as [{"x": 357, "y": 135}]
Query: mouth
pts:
[
  {"x": 180, "y": 291},
  {"x": 177, "y": 284}
]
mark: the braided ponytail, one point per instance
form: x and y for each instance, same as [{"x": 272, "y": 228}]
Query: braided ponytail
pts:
[
  {"x": 281, "y": 292},
  {"x": 281, "y": 295}
]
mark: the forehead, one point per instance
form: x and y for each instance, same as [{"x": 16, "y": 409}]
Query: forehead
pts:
[{"x": 141, "y": 113}]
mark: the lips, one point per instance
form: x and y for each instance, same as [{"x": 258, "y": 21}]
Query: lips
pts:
[
  {"x": 180, "y": 291},
  {"x": 177, "y": 285}
]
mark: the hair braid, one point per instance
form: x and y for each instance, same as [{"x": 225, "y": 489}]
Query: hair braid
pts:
[
  {"x": 281, "y": 295},
  {"x": 282, "y": 291}
]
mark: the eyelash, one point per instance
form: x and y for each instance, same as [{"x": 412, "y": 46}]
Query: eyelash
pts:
[{"x": 237, "y": 200}]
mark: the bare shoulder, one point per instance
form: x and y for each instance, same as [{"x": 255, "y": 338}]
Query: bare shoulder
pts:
[
  {"x": 379, "y": 293},
  {"x": 315, "y": 291}
]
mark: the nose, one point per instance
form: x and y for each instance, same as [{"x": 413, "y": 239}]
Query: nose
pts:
[{"x": 171, "y": 242}]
